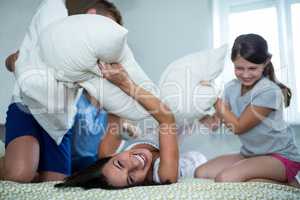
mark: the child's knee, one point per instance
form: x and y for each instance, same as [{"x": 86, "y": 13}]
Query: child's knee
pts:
[
  {"x": 201, "y": 172},
  {"x": 228, "y": 176},
  {"x": 223, "y": 177}
]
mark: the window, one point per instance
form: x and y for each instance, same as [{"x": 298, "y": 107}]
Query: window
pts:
[
  {"x": 278, "y": 22},
  {"x": 296, "y": 44},
  {"x": 242, "y": 22}
]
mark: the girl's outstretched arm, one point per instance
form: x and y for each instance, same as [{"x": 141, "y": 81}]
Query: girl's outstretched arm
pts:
[{"x": 111, "y": 140}]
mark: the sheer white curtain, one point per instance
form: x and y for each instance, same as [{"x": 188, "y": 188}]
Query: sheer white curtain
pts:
[{"x": 278, "y": 22}]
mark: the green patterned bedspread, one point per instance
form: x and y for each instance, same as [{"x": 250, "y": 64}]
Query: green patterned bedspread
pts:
[{"x": 186, "y": 189}]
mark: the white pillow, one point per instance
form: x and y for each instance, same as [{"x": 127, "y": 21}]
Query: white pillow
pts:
[
  {"x": 47, "y": 13},
  {"x": 106, "y": 43},
  {"x": 180, "y": 84},
  {"x": 113, "y": 99},
  {"x": 73, "y": 45},
  {"x": 63, "y": 53}
]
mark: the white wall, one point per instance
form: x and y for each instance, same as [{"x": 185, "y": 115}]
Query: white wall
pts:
[{"x": 160, "y": 32}]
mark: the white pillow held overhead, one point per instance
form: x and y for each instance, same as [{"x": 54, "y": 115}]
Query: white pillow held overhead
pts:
[
  {"x": 62, "y": 51},
  {"x": 73, "y": 45},
  {"x": 180, "y": 84},
  {"x": 74, "y": 58}
]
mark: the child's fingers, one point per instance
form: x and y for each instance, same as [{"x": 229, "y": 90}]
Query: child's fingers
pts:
[
  {"x": 100, "y": 65},
  {"x": 106, "y": 68},
  {"x": 115, "y": 65},
  {"x": 111, "y": 74}
]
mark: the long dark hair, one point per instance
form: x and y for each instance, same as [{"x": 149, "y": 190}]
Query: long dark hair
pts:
[
  {"x": 92, "y": 177},
  {"x": 254, "y": 48},
  {"x": 88, "y": 178},
  {"x": 102, "y": 7}
]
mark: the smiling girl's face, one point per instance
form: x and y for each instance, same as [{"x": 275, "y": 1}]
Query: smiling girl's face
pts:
[
  {"x": 128, "y": 168},
  {"x": 248, "y": 73}
]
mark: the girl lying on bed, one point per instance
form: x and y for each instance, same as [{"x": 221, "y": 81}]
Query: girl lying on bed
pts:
[{"x": 139, "y": 162}]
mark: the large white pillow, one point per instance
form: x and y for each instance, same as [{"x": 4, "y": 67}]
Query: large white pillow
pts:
[
  {"x": 113, "y": 99},
  {"x": 47, "y": 13},
  {"x": 180, "y": 84},
  {"x": 62, "y": 54},
  {"x": 73, "y": 45},
  {"x": 74, "y": 57}
]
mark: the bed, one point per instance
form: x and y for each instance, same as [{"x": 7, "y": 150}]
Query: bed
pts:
[{"x": 199, "y": 189}]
